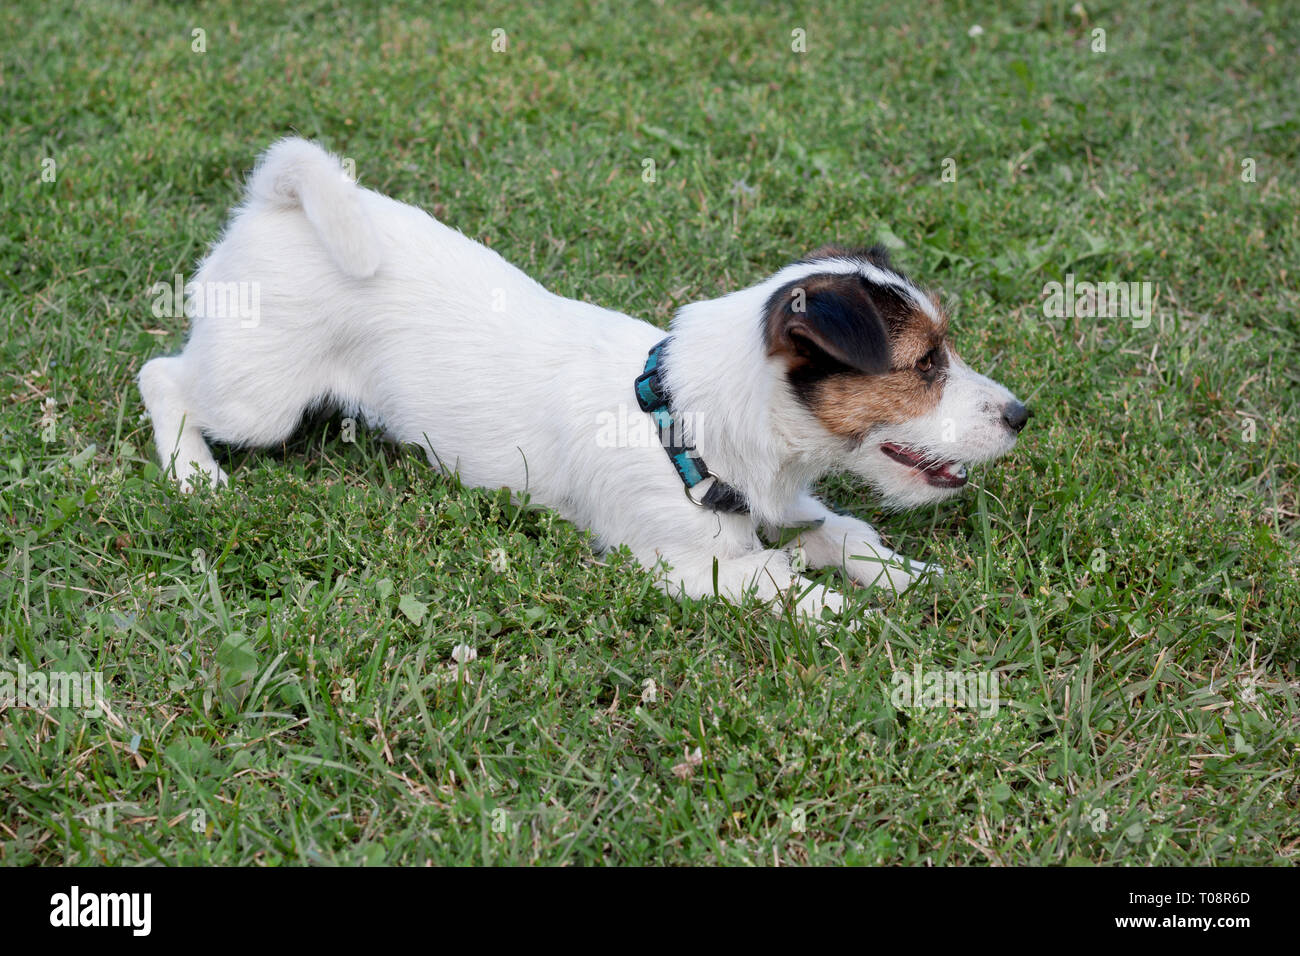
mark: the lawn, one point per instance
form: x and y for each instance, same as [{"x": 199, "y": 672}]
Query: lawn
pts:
[{"x": 345, "y": 658}]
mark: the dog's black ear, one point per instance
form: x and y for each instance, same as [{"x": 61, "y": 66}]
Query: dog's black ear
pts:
[
  {"x": 832, "y": 250},
  {"x": 827, "y": 323},
  {"x": 877, "y": 254}
]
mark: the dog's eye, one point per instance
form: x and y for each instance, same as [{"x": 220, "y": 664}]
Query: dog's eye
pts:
[{"x": 926, "y": 363}]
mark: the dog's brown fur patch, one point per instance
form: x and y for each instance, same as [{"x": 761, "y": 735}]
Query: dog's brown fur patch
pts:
[{"x": 850, "y": 405}]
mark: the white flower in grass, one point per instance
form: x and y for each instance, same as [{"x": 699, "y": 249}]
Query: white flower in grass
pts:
[
  {"x": 463, "y": 653},
  {"x": 685, "y": 769},
  {"x": 975, "y": 31}
]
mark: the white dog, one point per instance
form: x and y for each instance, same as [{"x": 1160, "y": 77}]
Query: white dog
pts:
[{"x": 683, "y": 448}]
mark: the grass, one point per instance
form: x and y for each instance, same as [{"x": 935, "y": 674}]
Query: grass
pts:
[{"x": 278, "y": 656}]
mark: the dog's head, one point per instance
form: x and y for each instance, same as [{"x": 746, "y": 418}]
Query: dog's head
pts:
[{"x": 867, "y": 353}]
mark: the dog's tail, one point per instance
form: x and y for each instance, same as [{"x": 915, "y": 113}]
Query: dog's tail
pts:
[{"x": 296, "y": 174}]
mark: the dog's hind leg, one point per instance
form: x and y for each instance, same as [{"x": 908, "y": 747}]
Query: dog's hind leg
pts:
[{"x": 177, "y": 428}]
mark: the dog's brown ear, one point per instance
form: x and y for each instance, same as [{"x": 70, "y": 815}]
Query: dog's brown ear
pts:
[{"x": 827, "y": 323}]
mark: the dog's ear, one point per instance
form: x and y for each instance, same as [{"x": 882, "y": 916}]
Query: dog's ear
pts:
[
  {"x": 877, "y": 254},
  {"x": 826, "y": 324},
  {"x": 832, "y": 250}
]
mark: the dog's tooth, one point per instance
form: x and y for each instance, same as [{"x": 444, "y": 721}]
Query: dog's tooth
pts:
[{"x": 960, "y": 471}]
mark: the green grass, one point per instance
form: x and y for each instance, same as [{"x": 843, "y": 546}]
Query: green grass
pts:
[{"x": 1130, "y": 570}]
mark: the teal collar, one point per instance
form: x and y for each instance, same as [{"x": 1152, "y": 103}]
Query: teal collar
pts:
[{"x": 652, "y": 395}]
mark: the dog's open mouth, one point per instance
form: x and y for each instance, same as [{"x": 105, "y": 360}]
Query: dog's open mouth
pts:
[{"x": 941, "y": 474}]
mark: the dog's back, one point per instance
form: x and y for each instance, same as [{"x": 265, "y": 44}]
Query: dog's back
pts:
[{"x": 372, "y": 306}]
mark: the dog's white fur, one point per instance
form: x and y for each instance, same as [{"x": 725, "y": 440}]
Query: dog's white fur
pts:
[{"x": 373, "y": 306}]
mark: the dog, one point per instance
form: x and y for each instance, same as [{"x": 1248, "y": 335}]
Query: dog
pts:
[{"x": 685, "y": 447}]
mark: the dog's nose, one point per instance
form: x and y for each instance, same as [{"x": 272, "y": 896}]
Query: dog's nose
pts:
[{"x": 1015, "y": 415}]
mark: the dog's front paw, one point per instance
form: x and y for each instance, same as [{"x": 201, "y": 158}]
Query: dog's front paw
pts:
[
  {"x": 193, "y": 478},
  {"x": 816, "y": 600},
  {"x": 885, "y": 569}
]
